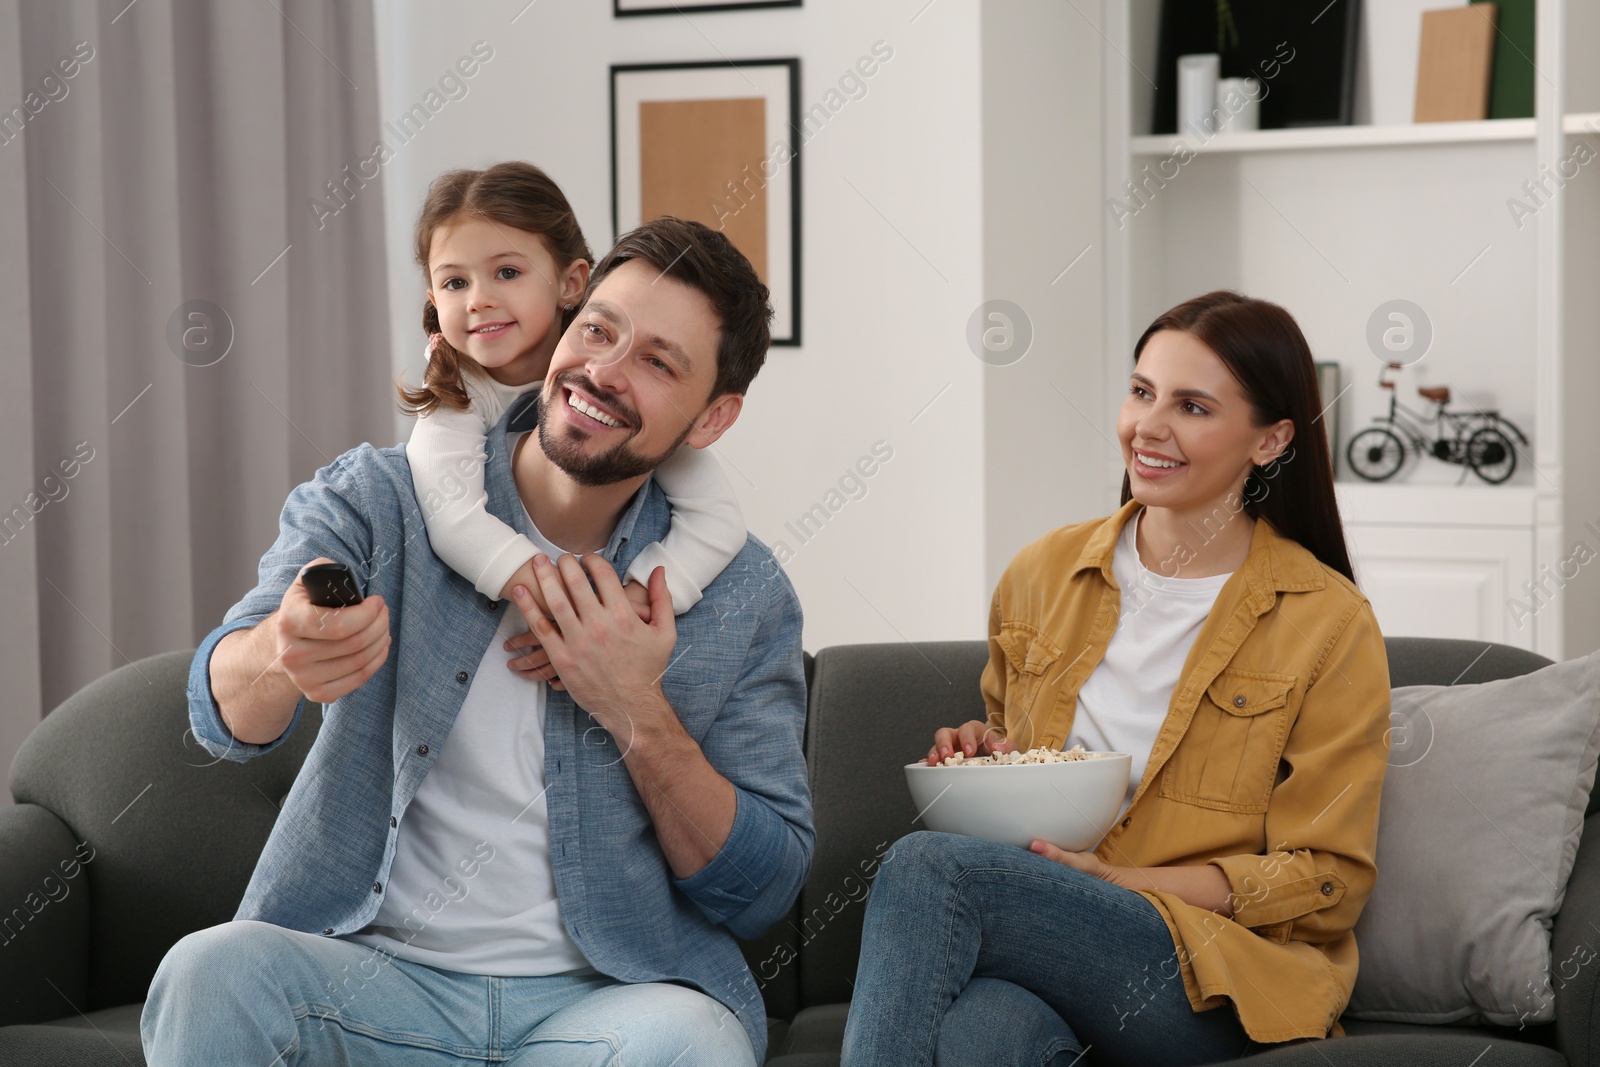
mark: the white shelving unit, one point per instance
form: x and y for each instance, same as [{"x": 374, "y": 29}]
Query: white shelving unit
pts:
[
  {"x": 1331, "y": 222},
  {"x": 1161, "y": 144},
  {"x": 1164, "y": 144}
]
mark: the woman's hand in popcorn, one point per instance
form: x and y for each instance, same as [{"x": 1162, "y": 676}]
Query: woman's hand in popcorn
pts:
[{"x": 973, "y": 738}]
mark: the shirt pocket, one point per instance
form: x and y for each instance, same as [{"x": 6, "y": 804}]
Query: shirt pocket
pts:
[
  {"x": 1227, "y": 759},
  {"x": 1029, "y": 657}
]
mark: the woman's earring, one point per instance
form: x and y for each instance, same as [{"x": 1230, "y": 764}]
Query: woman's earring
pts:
[{"x": 566, "y": 307}]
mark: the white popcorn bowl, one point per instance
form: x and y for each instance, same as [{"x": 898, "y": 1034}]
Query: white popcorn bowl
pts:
[{"x": 1070, "y": 804}]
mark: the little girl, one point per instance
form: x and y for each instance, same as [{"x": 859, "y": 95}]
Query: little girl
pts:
[{"x": 506, "y": 264}]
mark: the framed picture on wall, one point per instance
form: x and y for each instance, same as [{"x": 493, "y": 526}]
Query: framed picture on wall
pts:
[
  {"x": 717, "y": 143},
  {"x": 1328, "y": 387},
  {"x": 660, "y": 7}
]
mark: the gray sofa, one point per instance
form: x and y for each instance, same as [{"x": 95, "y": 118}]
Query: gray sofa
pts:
[{"x": 175, "y": 834}]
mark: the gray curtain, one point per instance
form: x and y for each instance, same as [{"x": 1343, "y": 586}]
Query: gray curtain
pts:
[{"x": 194, "y": 313}]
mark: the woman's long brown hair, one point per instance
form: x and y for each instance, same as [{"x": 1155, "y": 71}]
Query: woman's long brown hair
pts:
[
  {"x": 514, "y": 194},
  {"x": 1262, "y": 346}
]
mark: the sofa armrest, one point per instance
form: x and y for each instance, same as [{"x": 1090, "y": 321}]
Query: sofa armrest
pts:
[
  {"x": 44, "y": 917},
  {"x": 1575, "y": 947}
]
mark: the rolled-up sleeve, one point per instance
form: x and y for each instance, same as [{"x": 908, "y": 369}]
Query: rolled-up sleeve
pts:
[
  {"x": 756, "y": 743},
  {"x": 205, "y": 718},
  {"x": 322, "y": 517},
  {"x": 1322, "y": 820}
]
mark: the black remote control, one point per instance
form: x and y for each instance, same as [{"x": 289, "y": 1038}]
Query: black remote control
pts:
[{"x": 331, "y": 585}]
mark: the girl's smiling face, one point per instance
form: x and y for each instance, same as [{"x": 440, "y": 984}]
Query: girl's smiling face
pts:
[
  {"x": 1187, "y": 430},
  {"x": 499, "y": 293}
]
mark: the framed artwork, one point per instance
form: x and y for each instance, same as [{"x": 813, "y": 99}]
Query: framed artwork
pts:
[
  {"x": 1328, "y": 387},
  {"x": 717, "y": 143},
  {"x": 1304, "y": 56},
  {"x": 660, "y": 7}
]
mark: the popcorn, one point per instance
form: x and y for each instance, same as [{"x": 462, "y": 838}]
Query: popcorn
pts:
[{"x": 1033, "y": 755}]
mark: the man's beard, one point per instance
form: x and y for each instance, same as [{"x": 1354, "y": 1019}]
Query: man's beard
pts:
[{"x": 618, "y": 463}]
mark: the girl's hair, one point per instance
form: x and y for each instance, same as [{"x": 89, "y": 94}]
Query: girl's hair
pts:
[
  {"x": 514, "y": 194},
  {"x": 1262, "y": 346}
]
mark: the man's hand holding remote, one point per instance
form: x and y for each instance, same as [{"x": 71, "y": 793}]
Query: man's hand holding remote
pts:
[{"x": 259, "y": 675}]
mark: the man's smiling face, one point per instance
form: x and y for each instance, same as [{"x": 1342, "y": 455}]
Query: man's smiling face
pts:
[{"x": 632, "y": 378}]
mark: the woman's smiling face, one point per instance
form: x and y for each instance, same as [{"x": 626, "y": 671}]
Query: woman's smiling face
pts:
[{"x": 1187, "y": 431}]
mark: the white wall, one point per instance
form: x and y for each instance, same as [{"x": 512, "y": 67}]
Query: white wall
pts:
[
  {"x": 1046, "y": 436},
  {"x": 891, "y": 203}
]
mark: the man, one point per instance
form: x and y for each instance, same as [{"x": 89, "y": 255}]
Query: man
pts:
[{"x": 474, "y": 865}]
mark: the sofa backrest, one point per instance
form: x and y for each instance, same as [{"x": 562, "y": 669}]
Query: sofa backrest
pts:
[
  {"x": 873, "y": 710},
  {"x": 1452, "y": 661},
  {"x": 175, "y": 832}
]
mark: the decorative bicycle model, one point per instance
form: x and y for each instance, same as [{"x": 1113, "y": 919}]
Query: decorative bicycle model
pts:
[{"x": 1478, "y": 440}]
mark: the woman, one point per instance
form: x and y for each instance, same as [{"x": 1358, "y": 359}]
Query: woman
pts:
[{"x": 1210, "y": 627}]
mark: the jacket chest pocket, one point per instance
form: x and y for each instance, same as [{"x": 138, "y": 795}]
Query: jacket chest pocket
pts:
[
  {"x": 1029, "y": 658},
  {"x": 1227, "y": 759}
]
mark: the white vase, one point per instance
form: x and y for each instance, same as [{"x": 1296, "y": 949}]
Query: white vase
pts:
[
  {"x": 1197, "y": 92},
  {"x": 1238, "y": 104}
]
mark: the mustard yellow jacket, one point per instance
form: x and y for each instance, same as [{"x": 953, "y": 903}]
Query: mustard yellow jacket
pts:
[{"x": 1269, "y": 764}]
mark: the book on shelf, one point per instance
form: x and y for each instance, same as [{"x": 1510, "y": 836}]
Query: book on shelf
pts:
[
  {"x": 1511, "y": 87},
  {"x": 1455, "y": 63}
]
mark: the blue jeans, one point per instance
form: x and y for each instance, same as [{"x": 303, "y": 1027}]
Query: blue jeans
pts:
[
  {"x": 254, "y": 993},
  {"x": 978, "y": 953}
]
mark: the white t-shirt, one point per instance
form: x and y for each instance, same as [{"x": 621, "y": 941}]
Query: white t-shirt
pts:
[
  {"x": 1124, "y": 701},
  {"x": 472, "y": 888}
]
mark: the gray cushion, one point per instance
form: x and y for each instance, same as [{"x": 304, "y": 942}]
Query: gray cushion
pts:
[
  {"x": 108, "y": 1038},
  {"x": 1439, "y": 1049},
  {"x": 817, "y": 1029},
  {"x": 1482, "y": 811},
  {"x": 817, "y": 1034}
]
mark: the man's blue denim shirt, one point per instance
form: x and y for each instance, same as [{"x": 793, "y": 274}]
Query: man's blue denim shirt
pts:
[{"x": 735, "y": 680}]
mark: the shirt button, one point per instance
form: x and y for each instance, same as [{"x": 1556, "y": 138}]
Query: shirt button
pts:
[
  {"x": 377, "y": 887},
  {"x": 1327, "y": 889},
  {"x": 393, "y": 822},
  {"x": 422, "y": 750},
  {"x": 462, "y": 676},
  {"x": 328, "y": 932},
  {"x": 1126, "y": 821},
  {"x": 490, "y": 605},
  {"x": 1239, "y": 701}
]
